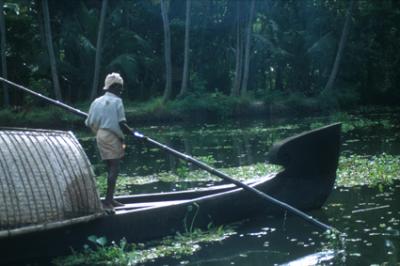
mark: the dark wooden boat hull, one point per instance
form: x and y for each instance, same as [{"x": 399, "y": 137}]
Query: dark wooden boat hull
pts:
[{"x": 305, "y": 186}]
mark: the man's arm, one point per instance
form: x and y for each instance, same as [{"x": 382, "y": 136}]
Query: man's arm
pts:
[{"x": 125, "y": 128}]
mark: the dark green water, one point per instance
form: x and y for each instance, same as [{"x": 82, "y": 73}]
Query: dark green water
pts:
[
  {"x": 372, "y": 236},
  {"x": 367, "y": 217}
]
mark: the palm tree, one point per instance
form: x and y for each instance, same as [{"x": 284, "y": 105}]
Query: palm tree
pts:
[
  {"x": 247, "y": 49},
  {"x": 185, "y": 73},
  {"x": 167, "y": 51},
  {"x": 339, "y": 54},
  {"x": 99, "y": 49},
  {"x": 50, "y": 49},
  {"x": 6, "y": 96},
  {"x": 235, "y": 90}
]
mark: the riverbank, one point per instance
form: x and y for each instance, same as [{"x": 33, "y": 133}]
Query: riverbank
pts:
[{"x": 213, "y": 107}]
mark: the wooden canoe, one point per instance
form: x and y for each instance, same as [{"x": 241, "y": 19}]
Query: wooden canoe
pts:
[{"x": 310, "y": 161}]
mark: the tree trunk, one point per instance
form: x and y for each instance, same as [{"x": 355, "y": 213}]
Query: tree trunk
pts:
[
  {"x": 279, "y": 78},
  {"x": 185, "y": 73},
  {"x": 238, "y": 65},
  {"x": 50, "y": 49},
  {"x": 6, "y": 97},
  {"x": 167, "y": 51},
  {"x": 339, "y": 54},
  {"x": 99, "y": 50},
  {"x": 247, "y": 50}
]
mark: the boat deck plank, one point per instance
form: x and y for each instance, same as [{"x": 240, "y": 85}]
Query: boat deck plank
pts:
[{"x": 144, "y": 205}]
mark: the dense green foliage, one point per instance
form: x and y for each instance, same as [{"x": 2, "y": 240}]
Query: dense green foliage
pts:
[{"x": 294, "y": 45}]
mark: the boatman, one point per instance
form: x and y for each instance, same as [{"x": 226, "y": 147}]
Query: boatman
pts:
[{"x": 107, "y": 120}]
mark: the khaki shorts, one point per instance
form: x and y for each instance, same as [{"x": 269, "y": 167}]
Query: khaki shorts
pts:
[{"x": 110, "y": 146}]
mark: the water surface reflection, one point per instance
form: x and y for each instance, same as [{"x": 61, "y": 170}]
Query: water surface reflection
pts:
[{"x": 368, "y": 217}]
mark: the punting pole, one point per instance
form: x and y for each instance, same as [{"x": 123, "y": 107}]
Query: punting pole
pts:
[{"x": 190, "y": 159}]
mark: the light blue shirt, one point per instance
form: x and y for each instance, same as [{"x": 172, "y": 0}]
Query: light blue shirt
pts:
[{"x": 106, "y": 112}]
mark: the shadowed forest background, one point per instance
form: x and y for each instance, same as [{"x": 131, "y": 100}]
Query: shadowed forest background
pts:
[
  {"x": 285, "y": 66},
  {"x": 223, "y": 57}
]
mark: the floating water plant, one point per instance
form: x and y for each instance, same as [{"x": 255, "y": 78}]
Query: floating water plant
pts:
[
  {"x": 373, "y": 170},
  {"x": 100, "y": 252},
  {"x": 354, "y": 170}
]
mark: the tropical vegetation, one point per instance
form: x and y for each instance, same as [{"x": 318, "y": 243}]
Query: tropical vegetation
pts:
[
  {"x": 99, "y": 252},
  {"x": 204, "y": 55}
]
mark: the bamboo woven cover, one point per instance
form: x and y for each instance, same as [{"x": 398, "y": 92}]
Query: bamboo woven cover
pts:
[{"x": 45, "y": 176}]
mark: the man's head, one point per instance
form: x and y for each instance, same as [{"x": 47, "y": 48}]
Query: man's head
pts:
[{"x": 114, "y": 83}]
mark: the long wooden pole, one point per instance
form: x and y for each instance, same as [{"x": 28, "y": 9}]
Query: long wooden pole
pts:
[{"x": 190, "y": 159}]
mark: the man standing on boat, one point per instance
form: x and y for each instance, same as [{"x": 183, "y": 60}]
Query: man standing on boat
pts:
[{"x": 107, "y": 120}]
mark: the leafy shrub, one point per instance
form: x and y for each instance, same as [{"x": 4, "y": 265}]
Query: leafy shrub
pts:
[
  {"x": 50, "y": 117},
  {"x": 209, "y": 105}
]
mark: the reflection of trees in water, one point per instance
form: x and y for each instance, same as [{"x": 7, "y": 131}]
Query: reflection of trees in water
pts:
[
  {"x": 249, "y": 149},
  {"x": 238, "y": 148},
  {"x": 234, "y": 151},
  {"x": 224, "y": 150},
  {"x": 172, "y": 160},
  {"x": 188, "y": 150}
]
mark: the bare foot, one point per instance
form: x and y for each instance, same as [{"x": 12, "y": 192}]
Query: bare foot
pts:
[
  {"x": 116, "y": 204},
  {"x": 107, "y": 205}
]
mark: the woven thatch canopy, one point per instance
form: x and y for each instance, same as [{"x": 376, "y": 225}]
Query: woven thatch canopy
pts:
[{"x": 45, "y": 177}]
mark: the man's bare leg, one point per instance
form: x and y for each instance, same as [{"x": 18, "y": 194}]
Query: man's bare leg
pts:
[{"x": 113, "y": 170}]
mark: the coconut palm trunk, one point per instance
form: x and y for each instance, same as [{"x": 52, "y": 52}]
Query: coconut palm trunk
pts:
[
  {"x": 185, "y": 73},
  {"x": 339, "y": 54},
  {"x": 99, "y": 51},
  {"x": 246, "y": 63},
  {"x": 3, "y": 44},
  {"x": 235, "y": 90},
  {"x": 50, "y": 50},
  {"x": 167, "y": 51}
]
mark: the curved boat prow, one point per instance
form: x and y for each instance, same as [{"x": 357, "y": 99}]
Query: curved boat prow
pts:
[
  {"x": 314, "y": 153},
  {"x": 310, "y": 161}
]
